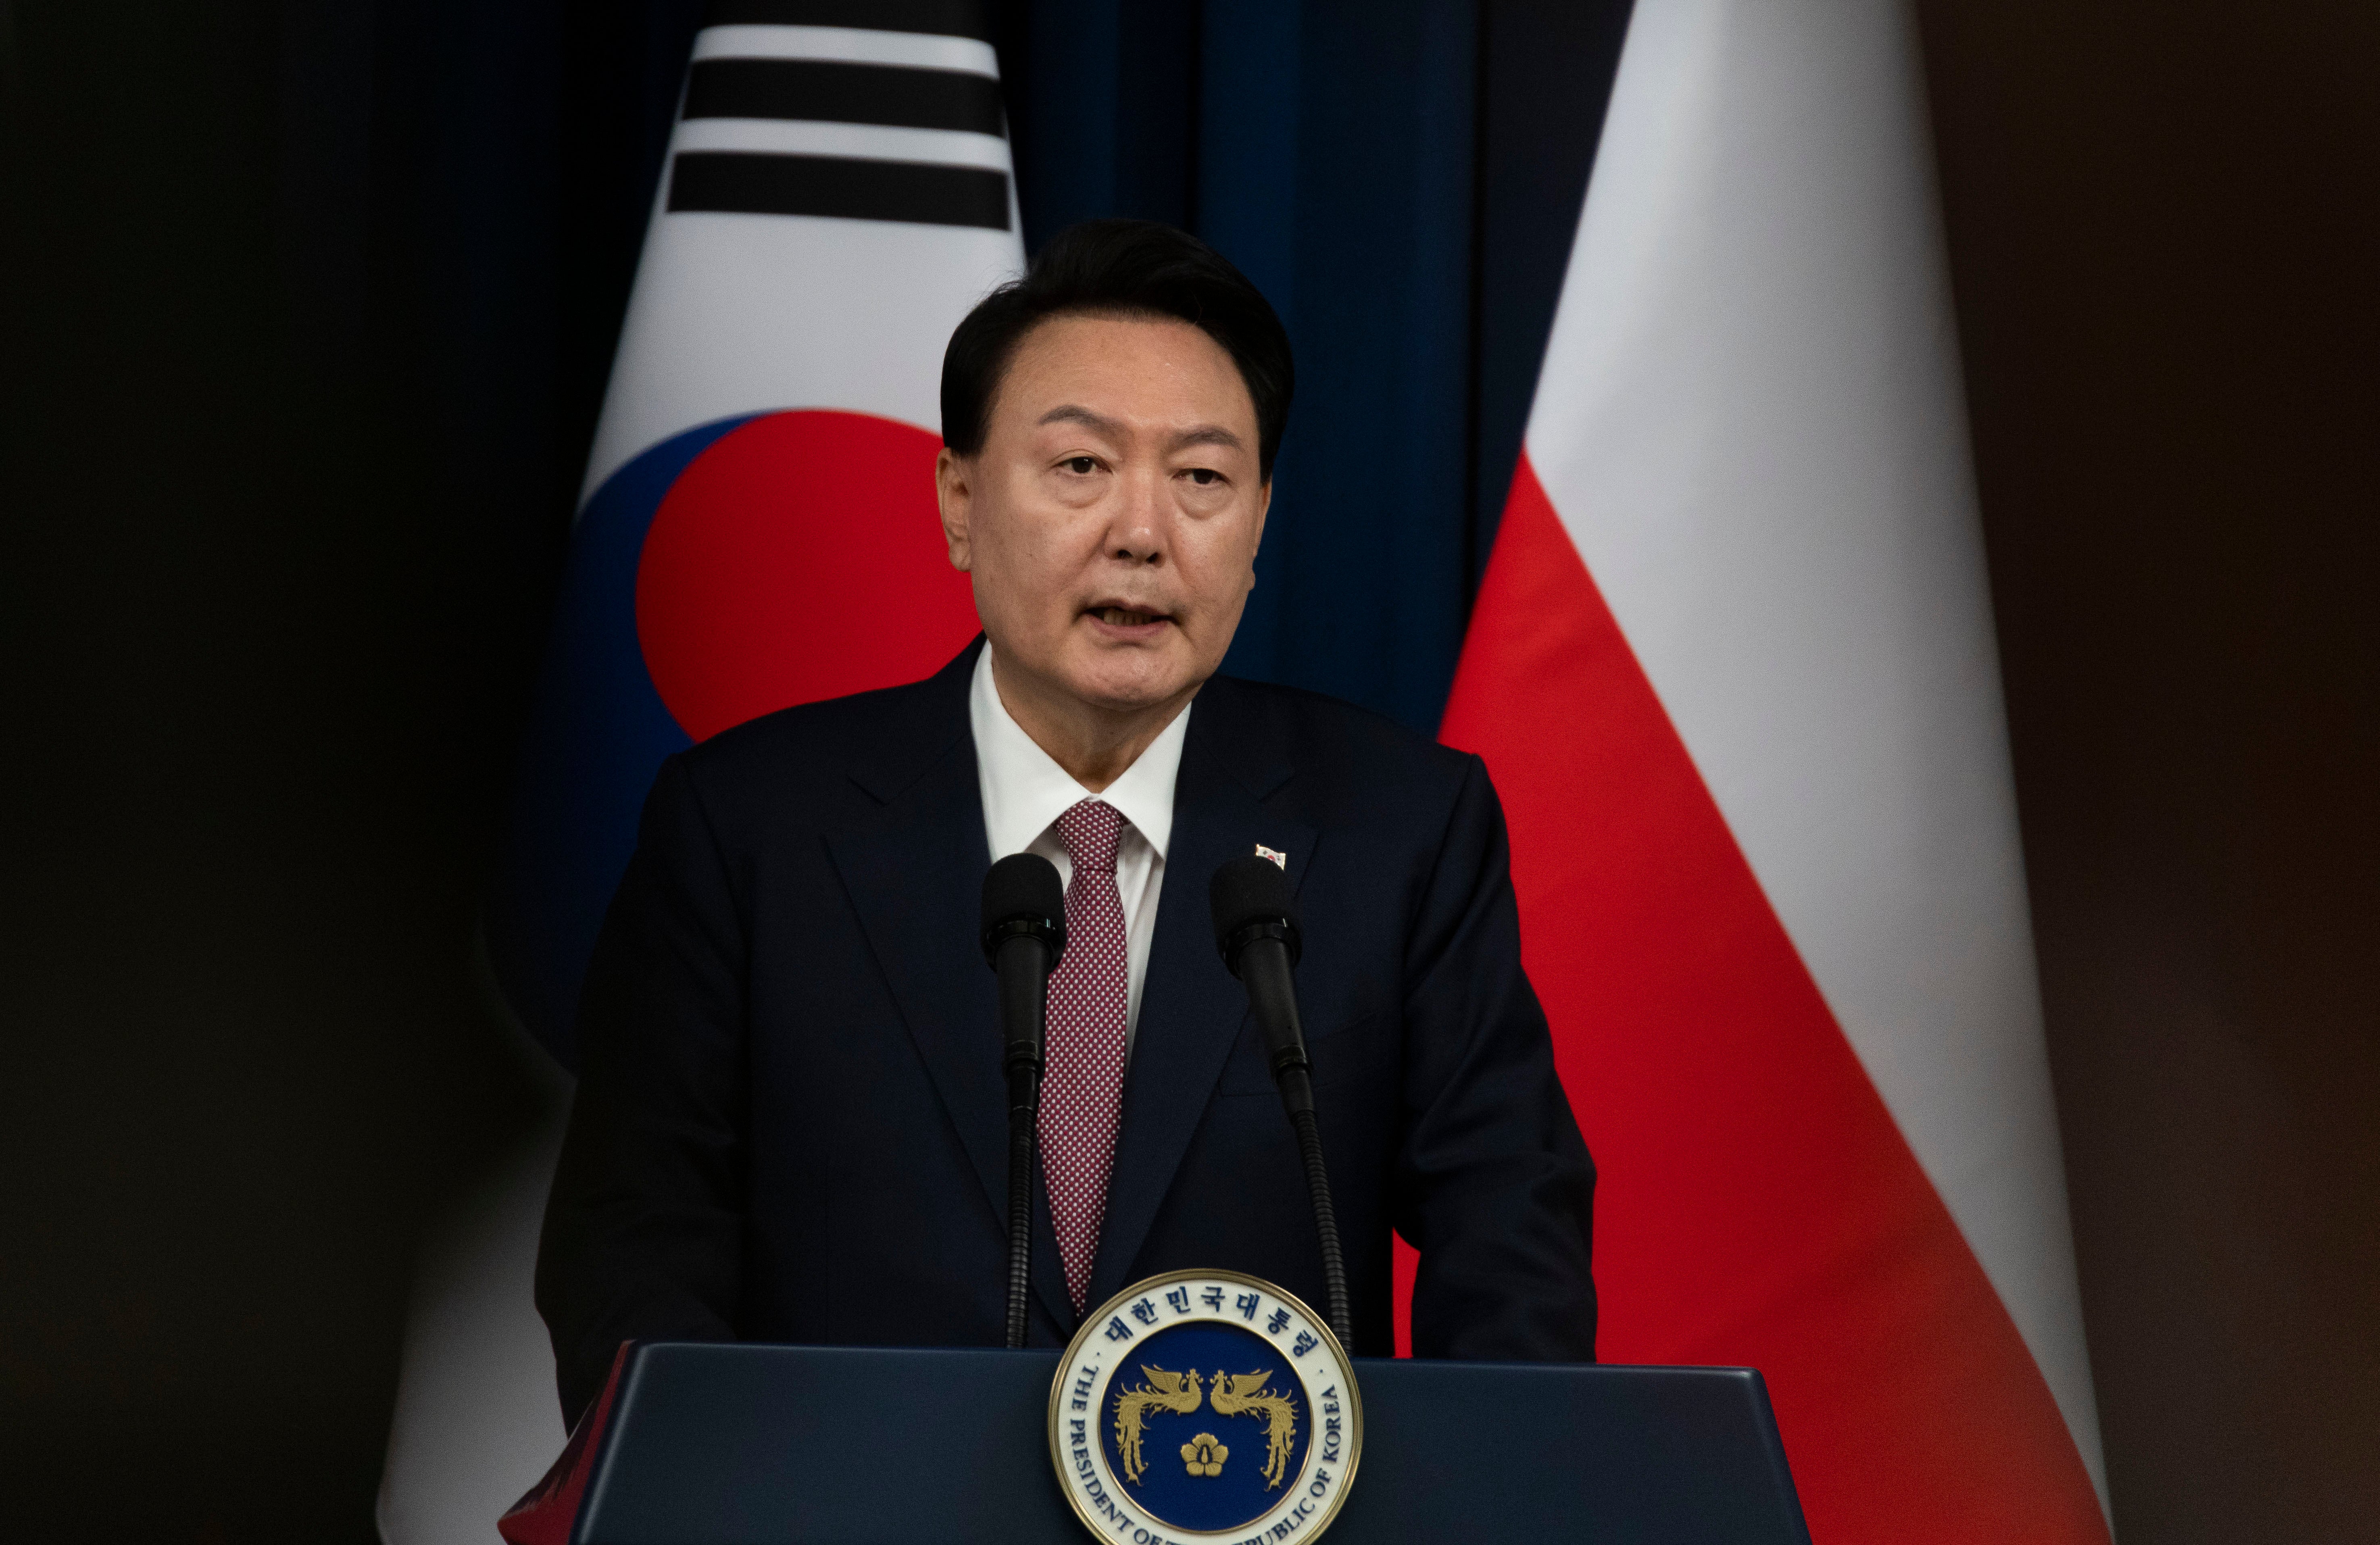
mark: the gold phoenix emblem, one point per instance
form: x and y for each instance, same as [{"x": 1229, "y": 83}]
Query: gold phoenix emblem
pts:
[
  {"x": 1205, "y": 1455},
  {"x": 1164, "y": 1391},
  {"x": 1111, "y": 1397},
  {"x": 1244, "y": 1393}
]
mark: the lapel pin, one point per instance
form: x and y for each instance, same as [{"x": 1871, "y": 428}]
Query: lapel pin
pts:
[{"x": 1279, "y": 858}]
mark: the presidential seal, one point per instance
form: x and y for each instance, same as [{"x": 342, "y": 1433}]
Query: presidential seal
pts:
[{"x": 1205, "y": 1405}]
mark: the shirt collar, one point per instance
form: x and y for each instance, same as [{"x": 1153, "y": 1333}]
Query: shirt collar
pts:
[{"x": 1025, "y": 789}]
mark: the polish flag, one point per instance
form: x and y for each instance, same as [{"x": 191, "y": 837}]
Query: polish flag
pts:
[{"x": 1733, "y": 671}]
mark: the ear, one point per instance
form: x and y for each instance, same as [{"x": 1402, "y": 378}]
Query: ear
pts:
[
  {"x": 954, "y": 490},
  {"x": 1264, "y": 507}
]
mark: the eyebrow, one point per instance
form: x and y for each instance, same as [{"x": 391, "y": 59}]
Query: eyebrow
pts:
[
  {"x": 1073, "y": 413},
  {"x": 1205, "y": 434},
  {"x": 1208, "y": 434}
]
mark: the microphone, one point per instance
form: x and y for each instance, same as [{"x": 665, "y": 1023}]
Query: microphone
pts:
[
  {"x": 1024, "y": 934},
  {"x": 1257, "y": 930}
]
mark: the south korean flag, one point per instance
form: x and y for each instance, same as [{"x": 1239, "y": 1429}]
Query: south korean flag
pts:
[{"x": 759, "y": 527}]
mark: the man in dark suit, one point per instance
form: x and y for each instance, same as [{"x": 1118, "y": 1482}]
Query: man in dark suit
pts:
[{"x": 791, "y": 1115}]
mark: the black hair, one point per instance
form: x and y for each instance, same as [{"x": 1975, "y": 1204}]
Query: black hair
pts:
[{"x": 1127, "y": 268}]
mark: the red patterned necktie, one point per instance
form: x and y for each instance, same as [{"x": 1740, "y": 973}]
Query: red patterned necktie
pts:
[{"x": 1089, "y": 995}]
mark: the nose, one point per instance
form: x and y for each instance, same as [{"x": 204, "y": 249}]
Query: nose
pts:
[{"x": 1141, "y": 522}]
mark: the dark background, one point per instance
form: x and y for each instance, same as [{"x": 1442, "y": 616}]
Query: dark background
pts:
[{"x": 303, "y": 319}]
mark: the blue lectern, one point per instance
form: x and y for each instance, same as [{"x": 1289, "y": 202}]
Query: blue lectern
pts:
[{"x": 696, "y": 1444}]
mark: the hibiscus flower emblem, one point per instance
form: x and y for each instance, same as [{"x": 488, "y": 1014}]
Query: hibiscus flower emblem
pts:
[{"x": 1205, "y": 1455}]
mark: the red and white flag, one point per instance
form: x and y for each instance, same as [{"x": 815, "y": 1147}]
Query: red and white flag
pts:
[{"x": 1732, "y": 670}]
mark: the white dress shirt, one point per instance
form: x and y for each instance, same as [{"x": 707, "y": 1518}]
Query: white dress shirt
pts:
[{"x": 1025, "y": 792}]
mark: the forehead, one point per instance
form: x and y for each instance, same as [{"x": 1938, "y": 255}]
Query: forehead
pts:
[{"x": 1156, "y": 368}]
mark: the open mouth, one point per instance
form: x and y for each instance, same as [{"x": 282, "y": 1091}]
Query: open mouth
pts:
[{"x": 1126, "y": 616}]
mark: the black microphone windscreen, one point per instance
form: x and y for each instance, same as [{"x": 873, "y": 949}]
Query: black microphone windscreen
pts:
[
  {"x": 1247, "y": 890},
  {"x": 1023, "y": 886}
]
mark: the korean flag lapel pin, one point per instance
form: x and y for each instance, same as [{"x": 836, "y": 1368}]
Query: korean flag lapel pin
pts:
[{"x": 1276, "y": 855}]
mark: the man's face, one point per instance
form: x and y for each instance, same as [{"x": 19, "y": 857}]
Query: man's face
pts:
[{"x": 1110, "y": 520}]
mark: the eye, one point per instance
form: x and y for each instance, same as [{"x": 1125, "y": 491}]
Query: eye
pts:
[
  {"x": 1082, "y": 466},
  {"x": 1205, "y": 476}
]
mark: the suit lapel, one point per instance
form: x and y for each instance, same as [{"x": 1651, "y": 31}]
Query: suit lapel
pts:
[
  {"x": 1192, "y": 1008},
  {"x": 914, "y": 876}
]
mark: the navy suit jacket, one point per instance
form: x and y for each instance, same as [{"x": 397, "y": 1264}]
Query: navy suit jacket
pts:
[{"x": 791, "y": 1117}]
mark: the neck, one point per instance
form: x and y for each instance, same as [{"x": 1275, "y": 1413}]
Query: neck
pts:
[{"x": 1096, "y": 745}]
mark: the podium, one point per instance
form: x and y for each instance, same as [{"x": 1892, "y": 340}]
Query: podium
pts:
[{"x": 727, "y": 1445}]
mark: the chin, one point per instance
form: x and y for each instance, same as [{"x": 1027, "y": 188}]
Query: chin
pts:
[{"x": 1127, "y": 684}]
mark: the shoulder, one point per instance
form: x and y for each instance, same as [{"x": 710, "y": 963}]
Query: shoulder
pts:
[
  {"x": 821, "y": 754},
  {"x": 1335, "y": 748}
]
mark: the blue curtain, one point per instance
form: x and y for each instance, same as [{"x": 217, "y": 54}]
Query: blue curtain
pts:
[{"x": 1401, "y": 176}]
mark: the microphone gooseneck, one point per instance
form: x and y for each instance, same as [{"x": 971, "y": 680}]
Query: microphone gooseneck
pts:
[
  {"x": 1024, "y": 934},
  {"x": 1257, "y": 930}
]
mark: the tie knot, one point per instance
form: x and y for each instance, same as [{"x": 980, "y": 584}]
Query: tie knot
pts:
[{"x": 1090, "y": 830}]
